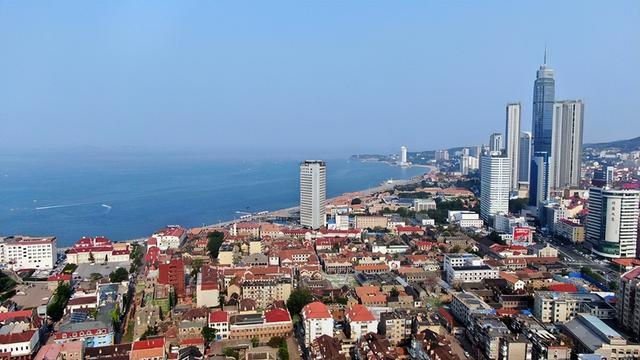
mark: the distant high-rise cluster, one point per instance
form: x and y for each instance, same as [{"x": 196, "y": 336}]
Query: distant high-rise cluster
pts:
[
  {"x": 557, "y": 139},
  {"x": 546, "y": 159}
]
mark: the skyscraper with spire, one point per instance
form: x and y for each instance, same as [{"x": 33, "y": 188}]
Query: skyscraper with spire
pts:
[{"x": 544, "y": 92}]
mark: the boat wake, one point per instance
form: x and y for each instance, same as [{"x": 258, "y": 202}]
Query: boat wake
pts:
[{"x": 60, "y": 206}]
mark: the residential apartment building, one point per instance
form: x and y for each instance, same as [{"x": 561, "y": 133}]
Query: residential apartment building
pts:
[
  {"x": 207, "y": 288},
  {"x": 612, "y": 222},
  {"x": 570, "y": 230},
  {"x": 371, "y": 222},
  {"x": 266, "y": 292},
  {"x": 313, "y": 193},
  {"x": 172, "y": 273},
  {"x": 361, "y": 321},
  {"x": 23, "y": 252},
  {"x": 628, "y": 304},
  {"x": 170, "y": 237},
  {"x": 317, "y": 321},
  {"x": 560, "y": 307},
  {"x": 396, "y": 325},
  {"x": 467, "y": 268},
  {"x": 465, "y": 304},
  {"x": 276, "y": 322},
  {"x": 495, "y": 184}
]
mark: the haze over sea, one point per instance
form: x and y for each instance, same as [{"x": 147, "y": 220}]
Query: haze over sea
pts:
[{"x": 126, "y": 197}]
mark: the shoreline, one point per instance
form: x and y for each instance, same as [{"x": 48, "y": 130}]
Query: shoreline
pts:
[{"x": 288, "y": 212}]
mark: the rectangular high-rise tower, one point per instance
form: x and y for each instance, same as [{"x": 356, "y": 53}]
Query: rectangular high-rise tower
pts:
[
  {"x": 512, "y": 142},
  {"x": 494, "y": 184},
  {"x": 566, "y": 147},
  {"x": 612, "y": 222},
  {"x": 313, "y": 193},
  {"x": 525, "y": 157}
]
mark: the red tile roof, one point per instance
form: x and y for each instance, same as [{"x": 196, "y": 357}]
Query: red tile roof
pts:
[
  {"x": 148, "y": 344},
  {"x": 359, "y": 313},
  {"x": 316, "y": 310},
  {"x": 277, "y": 315},
  {"x": 568, "y": 288},
  {"x": 15, "y": 314},
  {"x": 218, "y": 317},
  {"x": 59, "y": 277},
  {"x": 20, "y": 337}
]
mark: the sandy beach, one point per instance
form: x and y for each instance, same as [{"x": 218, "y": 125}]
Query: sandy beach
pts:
[{"x": 289, "y": 212}]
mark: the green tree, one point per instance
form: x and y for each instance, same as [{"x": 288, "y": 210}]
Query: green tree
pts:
[
  {"x": 118, "y": 275},
  {"x": 91, "y": 258},
  {"x": 356, "y": 201},
  {"x": 255, "y": 342},
  {"x": 283, "y": 352},
  {"x": 151, "y": 331},
  {"x": 58, "y": 302},
  {"x": 115, "y": 316},
  {"x": 209, "y": 334},
  {"x": 298, "y": 299},
  {"x": 215, "y": 241},
  {"x": 231, "y": 352},
  {"x": 394, "y": 293},
  {"x": 95, "y": 276},
  {"x": 195, "y": 267},
  {"x": 276, "y": 341}
]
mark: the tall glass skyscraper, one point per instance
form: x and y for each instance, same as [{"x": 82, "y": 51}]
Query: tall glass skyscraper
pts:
[{"x": 544, "y": 93}]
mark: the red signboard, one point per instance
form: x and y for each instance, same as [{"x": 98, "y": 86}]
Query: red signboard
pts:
[{"x": 521, "y": 235}]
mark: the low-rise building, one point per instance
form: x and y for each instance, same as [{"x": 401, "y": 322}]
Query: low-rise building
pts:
[
  {"x": 396, "y": 325},
  {"x": 207, "y": 288},
  {"x": 465, "y": 219},
  {"x": 424, "y": 204},
  {"x": 371, "y": 222},
  {"x": 467, "y": 268},
  {"x": 361, "y": 321},
  {"x": 219, "y": 320},
  {"x": 570, "y": 230},
  {"x": 317, "y": 321},
  {"x": 276, "y": 322},
  {"x": 560, "y": 307},
  {"x": 327, "y": 347},
  {"x": 464, "y": 304},
  {"x": 591, "y": 335},
  {"x": 150, "y": 349},
  {"x": 24, "y": 252},
  {"x": 93, "y": 333},
  {"x": 170, "y": 237}
]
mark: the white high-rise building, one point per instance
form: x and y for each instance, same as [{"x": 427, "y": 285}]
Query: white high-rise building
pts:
[
  {"x": 525, "y": 157},
  {"x": 512, "y": 142},
  {"x": 313, "y": 193},
  {"x": 23, "y": 252},
  {"x": 495, "y": 176},
  {"x": 496, "y": 142},
  {"x": 566, "y": 145},
  {"x": 540, "y": 175},
  {"x": 403, "y": 155},
  {"x": 468, "y": 163},
  {"x": 612, "y": 222}
]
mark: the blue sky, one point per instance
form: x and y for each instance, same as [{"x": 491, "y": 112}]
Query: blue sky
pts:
[{"x": 315, "y": 78}]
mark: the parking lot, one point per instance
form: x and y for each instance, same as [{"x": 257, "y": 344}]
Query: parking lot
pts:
[
  {"x": 84, "y": 271},
  {"x": 31, "y": 295}
]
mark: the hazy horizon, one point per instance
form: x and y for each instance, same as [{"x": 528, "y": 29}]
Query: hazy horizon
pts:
[{"x": 297, "y": 80}]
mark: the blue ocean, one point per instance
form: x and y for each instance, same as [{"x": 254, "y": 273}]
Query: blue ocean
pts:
[{"x": 126, "y": 197}]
